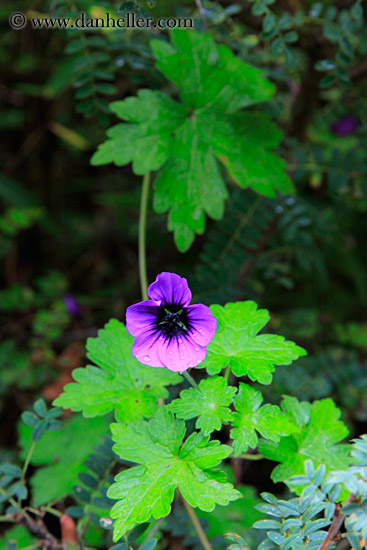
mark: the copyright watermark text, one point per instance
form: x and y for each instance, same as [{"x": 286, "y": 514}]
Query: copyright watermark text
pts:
[{"x": 131, "y": 20}]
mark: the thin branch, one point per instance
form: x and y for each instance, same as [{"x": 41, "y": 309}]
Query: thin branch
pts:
[
  {"x": 142, "y": 236},
  {"x": 154, "y": 530},
  {"x": 190, "y": 379},
  {"x": 336, "y": 524},
  {"x": 202, "y": 13},
  {"x": 39, "y": 529},
  {"x": 250, "y": 456},
  {"x": 202, "y": 536}
]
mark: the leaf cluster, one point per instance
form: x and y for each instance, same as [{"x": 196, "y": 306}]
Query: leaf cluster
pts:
[
  {"x": 42, "y": 420},
  {"x": 318, "y": 438},
  {"x": 238, "y": 345},
  {"x": 165, "y": 135},
  {"x": 119, "y": 382},
  {"x": 58, "y": 470},
  {"x": 164, "y": 464}
]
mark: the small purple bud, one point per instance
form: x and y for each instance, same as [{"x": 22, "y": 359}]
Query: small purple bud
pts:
[
  {"x": 345, "y": 126},
  {"x": 72, "y": 306}
]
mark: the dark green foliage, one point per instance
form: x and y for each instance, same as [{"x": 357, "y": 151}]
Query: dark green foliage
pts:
[
  {"x": 185, "y": 140},
  {"x": 90, "y": 494},
  {"x": 232, "y": 247},
  {"x": 42, "y": 420}
]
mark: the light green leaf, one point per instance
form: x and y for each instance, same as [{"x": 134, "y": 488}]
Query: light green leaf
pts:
[
  {"x": 250, "y": 418},
  {"x": 62, "y": 454},
  {"x": 210, "y": 404},
  {"x": 187, "y": 141},
  {"x": 209, "y": 75},
  {"x": 119, "y": 382},
  {"x": 318, "y": 439},
  {"x": 147, "y": 141},
  {"x": 240, "y": 141},
  {"x": 148, "y": 489},
  {"x": 18, "y": 534},
  {"x": 194, "y": 193},
  {"x": 236, "y": 343}
]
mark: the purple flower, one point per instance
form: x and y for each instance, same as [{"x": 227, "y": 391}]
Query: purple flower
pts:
[
  {"x": 346, "y": 126},
  {"x": 169, "y": 332},
  {"x": 72, "y": 306}
]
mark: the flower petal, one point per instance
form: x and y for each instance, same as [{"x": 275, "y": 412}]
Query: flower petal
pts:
[
  {"x": 146, "y": 349},
  {"x": 141, "y": 316},
  {"x": 170, "y": 288},
  {"x": 180, "y": 354},
  {"x": 203, "y": 324}
]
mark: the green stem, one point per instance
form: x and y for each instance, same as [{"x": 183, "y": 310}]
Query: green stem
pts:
[
  {"x": 190, "y": 379},
  {"x": 51, "y": 511},
  {"x": 142, "y": 236},
  {"x": 249, "y": 456},
  {"x": 25, "y": 467},
  {"x": 228, "y": 370},
  {"x": 10, "y": 499},
  {"x": 202, "y": 536},
  {"x": 8, "y": 519},
  {"x": 154, "y": 530},
  {"x": 27, "y": 461}
]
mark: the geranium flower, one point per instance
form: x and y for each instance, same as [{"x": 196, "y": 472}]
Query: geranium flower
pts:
[
  {"x": 346, "y": 126},
  {"x": 169, "y": 332},
  {"x": 72, "y": 306}
]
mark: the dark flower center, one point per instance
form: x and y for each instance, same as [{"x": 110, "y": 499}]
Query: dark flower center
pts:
[{"x": 171, "y": 322}]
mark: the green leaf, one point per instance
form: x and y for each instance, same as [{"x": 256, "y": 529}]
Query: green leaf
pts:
[
  {"x": 17, "y": 534},
  {"x": 88, "y": 480},
  {"x": 119, "y": 382},
  {"x": 249, "y": 418},
  {"x": 62, "y": 455},
  {"x": 39, "y": 430},
  {"x": 11, "y": 470},
  {"x": 187, "y": 141},
  {"x": 55, "y": 412},
  {"x": 147, "y": 141},
  {"x": 75, "y": 511},
  {"x": 208, "y": 75},
  {"x": 148, "y": 545},
  {"x": 291, "y": 37},
  {"x": 237, "y": 344},
  {"x": 277, "y": 46},
  {"x": 210, "y": 404},
  {"x": 259, "y": 7},
  {"x": 163, "y": 465},
  {"x": 321, "y": 430},
  {"x": 269, "y": 22},
  {"x": 40, "y": 408}
]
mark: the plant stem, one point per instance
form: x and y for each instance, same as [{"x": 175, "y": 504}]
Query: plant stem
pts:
[
  {"x": 52, "y": 511},
  {"x": 154, "y": 530},
  {"x": 336, "y": 524},
  {"x": 227, "y": 372},
  {"x": 202, "y": 536},
  {"x": 190, "y": 379},
  {"x": 142, "y": 236},
  {"x": 27, "y": 461},
  {"x": 25, "y": 467},
  {"x": 10, "y": 499},
  {"x": 201, "y": 11},
  {"x": 8, "y": 518},
  {"x": 249, "y": 456}
]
